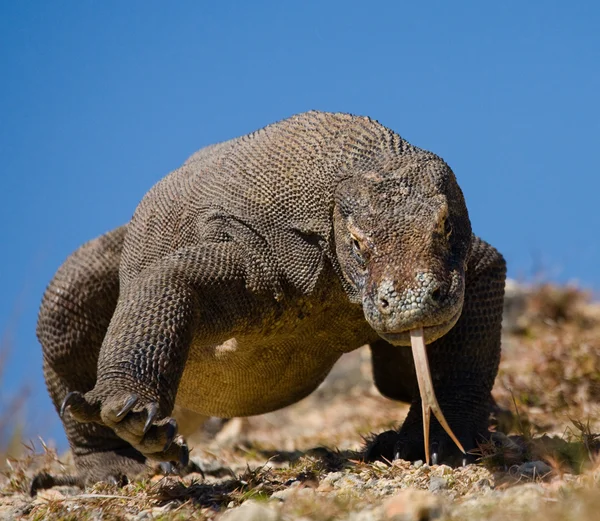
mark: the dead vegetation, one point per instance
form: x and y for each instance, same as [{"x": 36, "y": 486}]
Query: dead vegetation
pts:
[
  {"x": 11, "y": 408},
  {"x": 303, "y": 462}
]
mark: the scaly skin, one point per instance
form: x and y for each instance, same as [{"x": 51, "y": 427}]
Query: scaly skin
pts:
[{"x": 246, "y": 273}]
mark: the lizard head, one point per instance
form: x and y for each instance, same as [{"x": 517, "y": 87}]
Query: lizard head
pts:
[{"x": 402, "y": 238}]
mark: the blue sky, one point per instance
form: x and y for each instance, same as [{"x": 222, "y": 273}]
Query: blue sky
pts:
[{"x": 99, "y": 100}]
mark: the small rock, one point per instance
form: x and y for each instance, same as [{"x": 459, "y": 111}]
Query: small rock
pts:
[
  {"x": 437, "y": 483},
  {"x": 332, "y": 477},
  {"x": 423, "y": 470},
  {"x": 417, "y": 464},
  {"x": 250, "y": 511},
  {"x": 143, "y": 515},
  {"x": 350, "y": 481},
  {"x": 413, "y": 505},
  {"x": 444, "y": 470},
  {"x": 294, "y": 492},
  {"x": 534, "y": 469},
  {"x": 208, "y": 464},
  {"x": 325, "y": 486},
  {"x": 402, "y": 464}
]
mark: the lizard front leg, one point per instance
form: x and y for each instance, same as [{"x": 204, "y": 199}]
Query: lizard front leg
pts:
[
  {"x": 201, "y": 293},
  {"x": 463, "y": 364}
]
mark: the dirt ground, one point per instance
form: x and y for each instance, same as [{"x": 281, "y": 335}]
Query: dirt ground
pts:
[{"x": 303, "y": 462}]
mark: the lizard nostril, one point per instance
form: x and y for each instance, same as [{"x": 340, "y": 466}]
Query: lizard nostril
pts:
[
  {"x": 436, "y": 294},
  {"x": 383, "y": 303}
]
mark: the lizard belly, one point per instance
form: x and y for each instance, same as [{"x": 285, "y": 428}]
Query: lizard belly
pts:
[
  {"x": 245, "y": 376},
  {"x": 274, "y": 360},
  {"x": 280, "y": 361}
]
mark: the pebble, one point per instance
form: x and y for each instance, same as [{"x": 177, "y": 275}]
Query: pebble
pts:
[
  {"x": 437, "y": 483},
  {"x": 332, "y": 477},
  {"x": 533, "y": 470},
  {"x": 413, "y": 505},
  {"x": 143, "y": 515},
  {"x": 350, "y": 481},
  {"x": 294, "y": 492},
  {"x": 250, "y": 511},
  {"x": 444, "y": 470}
]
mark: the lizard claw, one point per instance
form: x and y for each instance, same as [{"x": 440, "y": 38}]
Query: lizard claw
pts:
[
  {"x": 82, "y": 410},
  {"x": 183, "y": 467},
  {"x": 167, "y": 467},
  {"x": 171, "y": 432},
  {"x": 177, "y": 451},
  {"x": 127, "y": 406},
  {"x": 70, "y": 398},
  {"x": 435, "y": 455},
  {"x": 118, "y": 480},
  {"x": 184, "y": 457},
  {"x": 152, "y": 414}
]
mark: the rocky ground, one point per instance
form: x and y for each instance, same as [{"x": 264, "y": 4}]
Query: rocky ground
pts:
[{"x": 303, "y": 462}]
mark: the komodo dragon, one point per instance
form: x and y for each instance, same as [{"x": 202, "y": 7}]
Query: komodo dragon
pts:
[{"x": 245, "y": 274}]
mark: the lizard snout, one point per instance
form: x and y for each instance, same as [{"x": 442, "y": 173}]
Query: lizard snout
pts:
[
  {"x": 412, "y": 301},
  {"x": 395, "y": 307}
]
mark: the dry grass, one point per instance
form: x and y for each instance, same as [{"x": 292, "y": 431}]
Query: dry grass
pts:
[
  {"x": 10, "y": 410},
  {"x": 543, "y": 462}
]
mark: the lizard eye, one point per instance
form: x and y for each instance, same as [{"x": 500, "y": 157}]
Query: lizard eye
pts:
[
  {"x": 447, "y": 229},
  {"x": 357, "y": 249}
]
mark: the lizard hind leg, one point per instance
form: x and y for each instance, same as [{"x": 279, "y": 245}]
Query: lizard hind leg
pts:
[
  {"x": 76, "y": 310},
  {"x": 99, "y": 455}
]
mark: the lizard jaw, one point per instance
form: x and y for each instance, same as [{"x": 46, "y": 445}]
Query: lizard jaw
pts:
[
  {"x": 429, "y": 401},
  {"x": 430, "y": 333}
]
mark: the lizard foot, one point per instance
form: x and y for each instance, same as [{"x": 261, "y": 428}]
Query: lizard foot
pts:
[
  {"x": 116, "y": 467},
  {"x": 393, "y": 445},
  {"x": 138, "y": 423},
  {"x": 43, "y": 480}
]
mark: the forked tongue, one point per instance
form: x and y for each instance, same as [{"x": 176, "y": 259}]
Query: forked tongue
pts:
[{"x": 428, "y": 400}]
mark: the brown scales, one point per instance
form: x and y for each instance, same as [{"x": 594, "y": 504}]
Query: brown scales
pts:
[{"x": 246, "y": 273}]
